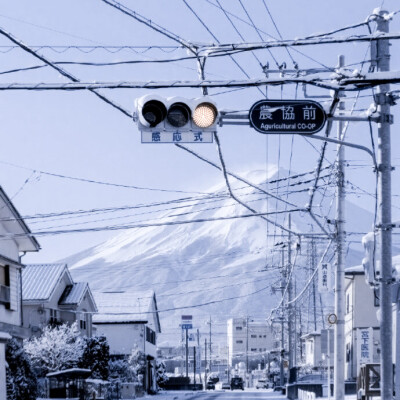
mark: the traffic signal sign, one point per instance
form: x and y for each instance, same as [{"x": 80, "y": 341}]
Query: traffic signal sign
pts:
[{"x": 155, "y": 113}]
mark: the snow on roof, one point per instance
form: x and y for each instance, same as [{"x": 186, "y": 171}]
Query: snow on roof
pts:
[
  {"x": 118, "y": 307},
  {"x": 39, "y": 280},
  {"x": 356, "y": 269},
  {"x": 73, "y": 294}
]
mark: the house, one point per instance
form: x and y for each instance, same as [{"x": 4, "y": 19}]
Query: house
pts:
[
  {"x": 130, "y": 320},
  {"x": 251, "y": 337},
  {"x": 50, "y": 296},
  {"x": 16, "y": 239},
  {"x": 316, "y": 348},
  {"x": 362, "y": 337}
]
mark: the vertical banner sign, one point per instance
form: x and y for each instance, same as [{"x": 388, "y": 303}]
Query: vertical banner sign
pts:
[
  {"x": 365, "y": 340},
  {"x": 325, "y": 278}
]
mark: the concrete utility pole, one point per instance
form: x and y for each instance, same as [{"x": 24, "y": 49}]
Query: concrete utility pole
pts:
[
  {"x": 187, "y": 352},
  {"x": 338, "y": 379},
  {"x": 205, "y": 359},
  {"x": 385, "y": 209},
  {"x": 283, "y": 283},
  {"x": 247, "y": 346},
  {"x": 199, "y": 355},
  {"x": 291, "y": 315},
  {"x": 210, "y": 345}
]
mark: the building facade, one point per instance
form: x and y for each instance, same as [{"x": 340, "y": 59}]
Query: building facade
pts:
[
  {"x": 50, "y": 296},
  {"x": 129, "y": 321},
  {"x": 248, "y": 338},
  {"x": 362, "y": 304},
  {"x": 20, "y": 241}
]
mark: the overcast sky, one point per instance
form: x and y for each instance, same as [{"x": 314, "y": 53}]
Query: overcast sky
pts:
[{"x": 75, "y": 134}]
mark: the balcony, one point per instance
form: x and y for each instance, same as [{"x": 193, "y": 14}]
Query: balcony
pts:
[{"x": 5, "y": 295}]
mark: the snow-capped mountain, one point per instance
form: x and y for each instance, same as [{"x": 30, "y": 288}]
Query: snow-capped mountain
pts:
[{"x": 221, "y": 267}]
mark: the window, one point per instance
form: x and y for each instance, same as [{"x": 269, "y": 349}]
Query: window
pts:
[
  {"x": 53, "y": 316},
  {"x": 260, "y": 336},
  {"x": 5, "y": 286},
  {"x": 239, "y": 341},
  {"x": 377, "y": 302},
  {"x": 254, "y": 336},
  {"x": 150, "y": 335},
  {"x": 253, "y": 349},
  {"x": 347, "y": 303},
  {"x": 82, "y": 324},
  {"x": 239, "y": 328},
  {"x": 265, "y": 336}
]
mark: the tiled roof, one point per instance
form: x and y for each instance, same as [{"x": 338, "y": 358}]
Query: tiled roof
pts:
[
  {"x": 73, "y": 294},
  {"x": 39, "y": 280},
  {"x": 117, "y": 307}
]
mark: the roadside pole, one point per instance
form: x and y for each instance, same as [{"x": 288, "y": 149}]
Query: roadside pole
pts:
[
  {"x": 291, "y": 316},
  {"x": 339, "y": 362},
  {"x": 385, "y": 217},
  {"x": 187, "y": 352},
  {"x": 205, "y": 361}
]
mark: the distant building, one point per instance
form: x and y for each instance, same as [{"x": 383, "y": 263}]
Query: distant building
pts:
[
  {"x": 50, "y": 296},
  {"x": 247, "y": 336},
  {"x": 20, "y": 240},
  {"x": 362, "y": 304},
  {"x": 129, "y": 320},
  {"x": 316, "y": 348}
]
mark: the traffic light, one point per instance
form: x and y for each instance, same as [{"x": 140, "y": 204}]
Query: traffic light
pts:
[
  {"x": 176, "y": 115},
  {"x": 371, "y": 261}
]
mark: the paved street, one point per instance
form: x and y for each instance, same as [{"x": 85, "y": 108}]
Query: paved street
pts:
[{"x": 232, "y": 395}]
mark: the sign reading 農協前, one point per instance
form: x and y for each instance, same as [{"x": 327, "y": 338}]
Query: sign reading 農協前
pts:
[{"x": 304, "y": 117}]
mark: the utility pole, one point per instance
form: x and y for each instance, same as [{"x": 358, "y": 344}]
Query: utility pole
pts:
[
  {"x": 205, "y": 360},
  {"x": 291, "y": 317},
  {"x": 283, "y": 283},
  {"x": 187, "y": 352},
  {"x": 385, "y": 209},
  {"x": 210, "y": 345},
  {"x": 247, "y": 346},
  {"x": 314, "y": 295},
  {"x": 198, "y": 346},
  {"x": 194, "y": 365},
  {"x": 338, "y": 379}
]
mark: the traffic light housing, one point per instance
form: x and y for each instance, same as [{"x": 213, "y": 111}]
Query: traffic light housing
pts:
[{"x": 158, "y": 114}]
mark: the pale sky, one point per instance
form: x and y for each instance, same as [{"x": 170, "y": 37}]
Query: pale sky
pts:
[{"x": 75, "y": 134}]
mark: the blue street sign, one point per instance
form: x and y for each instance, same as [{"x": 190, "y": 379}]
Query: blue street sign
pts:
[
  {"x": 303, "y": 117},
  {"x": 187, "y": 326}
]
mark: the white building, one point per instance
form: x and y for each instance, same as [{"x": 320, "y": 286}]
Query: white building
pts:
[
  {"x": 316, "y": 348},
  {"x": 20, "y": 241},
  {"x": 246, "y": 336},
  {"x": 362, "y": 304},
  {"x": 50, "y": 296},
  {"x": 129, "y": 320}
]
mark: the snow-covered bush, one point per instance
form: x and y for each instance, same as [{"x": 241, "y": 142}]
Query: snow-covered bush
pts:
[
  {"x": 161, "y": 376},
  {"x": 58, "y": 348},
  {"x": 21, "y": 379},
  {"x": 137, "y": 361},
  {"x": 96, "y": 356}
]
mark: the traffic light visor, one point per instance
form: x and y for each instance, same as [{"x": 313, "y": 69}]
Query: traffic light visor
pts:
[
  {"x": 204, "y": 115},
  {"x": 154, "y": 112}
]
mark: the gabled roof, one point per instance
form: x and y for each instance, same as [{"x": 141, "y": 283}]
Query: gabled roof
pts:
[
  {"x": 40, "y": 280},
  {"x": 14, "y": 224},
  {"x": 126, "y": 307},
  {"x": 74, "y": 294}
]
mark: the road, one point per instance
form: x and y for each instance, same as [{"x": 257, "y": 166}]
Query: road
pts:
[{"x": 236, "y": 395}]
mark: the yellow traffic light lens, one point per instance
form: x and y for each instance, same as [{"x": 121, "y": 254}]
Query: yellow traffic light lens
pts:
[
  {"x": 178, "y": 115},
  {"x": 205, "y": 115}
]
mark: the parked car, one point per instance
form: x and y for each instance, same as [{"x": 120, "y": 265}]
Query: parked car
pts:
[
  {"x": 210, "y": 385},
  {"x": 263, "y": 384},
  {"x": 226, "y": 385},
  {"x": 237, "y": 383}
]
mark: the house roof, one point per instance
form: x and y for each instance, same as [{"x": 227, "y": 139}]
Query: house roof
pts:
[
  {"x": 14, "y": 224},
  {"x": 119, "y": 307},
  {"x": 355, "y": 270},
  {"x": 74, "y": 294},
  {"x": 40, "y": 280}
]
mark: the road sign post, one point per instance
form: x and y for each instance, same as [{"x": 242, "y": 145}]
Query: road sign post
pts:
[{"x": 304, "y": 117}]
